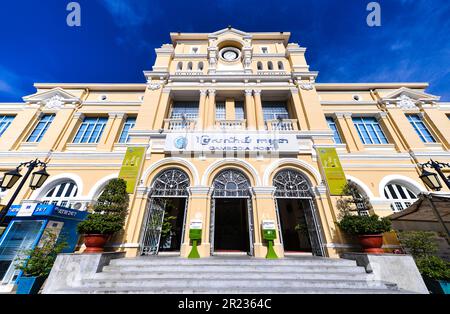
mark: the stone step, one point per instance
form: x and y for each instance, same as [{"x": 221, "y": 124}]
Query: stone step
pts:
[
  {"x": 237, "y": 275},
  {"x": 180, "y": 283},
  {"x": 238, "y": 291},
  {"x": 167, "y": 261},
  {"x": 146, "y": 268}
]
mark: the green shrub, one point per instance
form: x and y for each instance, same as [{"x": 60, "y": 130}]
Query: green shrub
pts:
[
  {"x": 434, "y": 267},
  {"x": 39, "y": 261},
  {"x": 418, "y": 243},
  {"x": 110, "y": 211},
  {"x": 364, "y": 225}
]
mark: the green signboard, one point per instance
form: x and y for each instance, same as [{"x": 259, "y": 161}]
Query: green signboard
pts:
[
  {"x": 131, "y": 166},
  {"x": 332, "y": 169}
]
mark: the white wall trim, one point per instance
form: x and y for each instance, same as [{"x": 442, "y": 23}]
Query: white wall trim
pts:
[
  {"x": 231, "y": 161},
  {"x": 101, "y": 184},
  {"x": 283, "y": 161},
  {"x": 403, "y": 180},
  {"x": 172, "y": 160},
  {"x": 362, "y": 185},
  {"x": 54, "y": 180}
]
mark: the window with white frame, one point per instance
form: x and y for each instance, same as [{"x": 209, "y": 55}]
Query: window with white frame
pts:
[
  {"x": 90, "y": 130},
  {"x": 369, "y": 130},
  {"x": 401, "y": 196},
  {"x": 61, "y": 194},
  {"x": 220, "y": 111},
  {"x": 420, "y": 128},
  {"x": 273, "y": 110},
  {"x": 127, "y": 126},
  {"x": 5, "y": 122},
  {"x": 40, "y": 129},
  {"x": 333, "y": 127},
  {"x": 184, "y": 110},
  {"x": 239, "y": 110}
]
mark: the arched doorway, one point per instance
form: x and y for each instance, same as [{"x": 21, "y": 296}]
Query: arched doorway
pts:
[
  {"x": 297, "y": 219},
  {"x": 165, "y": 216},
  {"x": 231, "y": 227}
]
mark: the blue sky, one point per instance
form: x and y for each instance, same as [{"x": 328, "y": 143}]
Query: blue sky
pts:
[{"x": 117, "y": 38}]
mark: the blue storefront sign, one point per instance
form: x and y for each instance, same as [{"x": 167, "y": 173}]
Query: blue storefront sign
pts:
[{"x": 28, "y": 225}]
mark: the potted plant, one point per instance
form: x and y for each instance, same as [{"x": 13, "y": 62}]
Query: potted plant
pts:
[
  {"x": 434, "y": 270},
  {"x": 37, "y": 263},
  {"x": 107, "y": 218},
  {"x": 369, "y": 230}
]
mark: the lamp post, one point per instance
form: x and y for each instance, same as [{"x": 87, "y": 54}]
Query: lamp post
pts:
[
  {"x": 11, "y": 177},
  {"x": 431, "y": 179}
]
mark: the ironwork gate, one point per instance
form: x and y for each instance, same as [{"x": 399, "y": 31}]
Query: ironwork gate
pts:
[
  {"x": 232, "y": 183},
  {"x": 172, "y": 183},
  {"x": 291, "y": 184}
]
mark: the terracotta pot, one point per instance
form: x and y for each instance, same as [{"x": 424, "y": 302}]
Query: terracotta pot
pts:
[
  {"x": 95, "y": 242},
  {"x": 372, "y": 243}
]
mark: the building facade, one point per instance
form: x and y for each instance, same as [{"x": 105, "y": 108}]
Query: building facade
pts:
[{"x": 231, "y": 123}]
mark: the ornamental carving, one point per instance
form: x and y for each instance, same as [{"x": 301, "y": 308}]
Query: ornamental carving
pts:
[
  {"x": 405, "y": 102},
  {"x": 56, "y": 102},
  {"x": 306, "y": 86},
  {"x": 154, "y": 86}
]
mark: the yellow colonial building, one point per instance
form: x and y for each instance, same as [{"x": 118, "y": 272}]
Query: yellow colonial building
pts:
[{"x": 232, "y": 125}]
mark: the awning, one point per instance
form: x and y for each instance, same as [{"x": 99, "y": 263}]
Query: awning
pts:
[{"x": 430, "y": 207}]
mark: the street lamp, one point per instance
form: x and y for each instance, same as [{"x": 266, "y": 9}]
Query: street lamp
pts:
[
  {"x": 11, "y": 177},
  {"x": 431, "y": 179}
]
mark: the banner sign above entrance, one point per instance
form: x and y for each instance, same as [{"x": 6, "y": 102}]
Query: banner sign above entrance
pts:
[
  {"x": 238, "y": 142},
  {"x": 332, "y": 169},
  {"x": 131, "y": 166}
]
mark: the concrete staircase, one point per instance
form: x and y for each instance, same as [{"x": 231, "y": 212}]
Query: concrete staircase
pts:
[{"x": 233, "y": 275}]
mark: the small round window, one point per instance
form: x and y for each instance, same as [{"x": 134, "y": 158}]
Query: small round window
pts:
[{"x": 230, "y": 54}]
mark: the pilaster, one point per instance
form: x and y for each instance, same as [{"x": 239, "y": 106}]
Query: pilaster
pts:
[
  {"x": 250, "y": 113},
  {"x": 258, "y": 110}
]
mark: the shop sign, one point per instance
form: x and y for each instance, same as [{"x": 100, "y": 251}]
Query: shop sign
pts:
[
  {"x": 131, "y": 166},
  {"x": 237, "y": 142},
  {"x": 26, "y": 210},
  {"x": 332, "y": 169}
]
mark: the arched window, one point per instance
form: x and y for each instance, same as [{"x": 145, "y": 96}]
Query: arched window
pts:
[
  {"x": 231, "y": 183},
  {"x": 200, "y": 66},
  {"x": 190, "y": 66},
  {"x": 401, "y": 196},
  {"x": 360, "y": 197},
  {"x": 259, "y": 65},
  {"x": 61, "y": 194},
  {"x": 291, "y": 184},
  {"x": 280, "y": 65},
  {"x": 180, "y": 66},
  {"x": 270, "y": 65},
  {"x": 171, "y": 183}
]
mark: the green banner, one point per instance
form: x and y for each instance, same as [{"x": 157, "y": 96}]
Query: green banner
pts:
[
  {"x": 332, "y": 169},
  {"x": 131, "y": 166}
]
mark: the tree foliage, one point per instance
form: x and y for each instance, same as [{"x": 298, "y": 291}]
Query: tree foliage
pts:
[{"x": 110, "y": 211}]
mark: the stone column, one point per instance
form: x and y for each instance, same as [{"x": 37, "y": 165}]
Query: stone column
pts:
[
  {"x": 211, "y": 109},
  {"x": 298, "y": 109},
  {"x": 162, "y": 110},
  {"x": 258, "y": 110},
  {"x": 315, "y": 117},
  {"x": 404, "y": 128},
  {"x": 19, "y": 127},
  {"x": 355, "y": 144},
  {"x": 111, "y": 132},
  {"x": 202, "y": 110},
  {"x": 390, "y": 132},
  {"x": 250, "y": 110},
  {"x": 264, "y": 209},
  {"x": 229, "y": 109},
  {"x": 70, "y": 132},
  {"x": 147, "y": 111},
  {"x": 198, "y": 208}
]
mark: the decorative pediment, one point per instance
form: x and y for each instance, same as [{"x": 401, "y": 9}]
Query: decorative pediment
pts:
[
  {"x": 229, "y": 30},
  {"x": 55, "y": 98},
  {"x": 408, "y": 99}
]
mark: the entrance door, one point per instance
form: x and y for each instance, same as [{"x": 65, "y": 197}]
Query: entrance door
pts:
[{"x": 231, "y": 225}]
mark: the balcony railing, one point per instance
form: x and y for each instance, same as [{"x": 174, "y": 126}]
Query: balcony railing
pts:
[
  {"x": 282, "y": 125},
  {"x": 179, "y": 124},
  {"x": 231, "y": 124}
]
